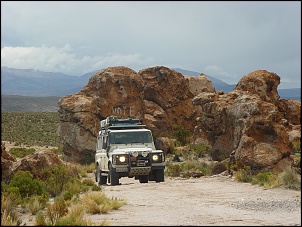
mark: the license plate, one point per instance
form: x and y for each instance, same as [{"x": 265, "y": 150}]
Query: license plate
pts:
[
  {"x": 121, "y": 169},
  {"x": 141, "y": 163}
]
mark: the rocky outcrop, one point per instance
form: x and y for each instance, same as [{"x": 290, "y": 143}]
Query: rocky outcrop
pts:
[
  {"x": 34, "y": 163},
  {"x": 200, "y": 84},
  {"x": 7, "y": 161},
  {"x": 249, "y": 123}
]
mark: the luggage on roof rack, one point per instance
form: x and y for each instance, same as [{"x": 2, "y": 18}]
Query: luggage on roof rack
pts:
[{"x": 115, "y": 122}]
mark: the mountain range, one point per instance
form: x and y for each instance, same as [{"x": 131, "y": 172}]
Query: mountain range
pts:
[{"x": 17, "y": 84}]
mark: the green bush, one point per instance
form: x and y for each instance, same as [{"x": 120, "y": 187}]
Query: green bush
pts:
[
  {"x": 262, "y": 178},
  {"x": 173, "y": 170},
  {"x": 289, "y": 178},
  {"x": 14, "y": 194},
  {"x": 21, "y": 152},
  {"x": 56, "y": 210},
  {"x": 56, "y": 179},
  {"x": 201, "y": 150},
  {"x": 181, "y": 134},
  {"x": 26, "y": 184},
  {"x": 243, "y": 175},
  {"x": 67, "y": 195}
]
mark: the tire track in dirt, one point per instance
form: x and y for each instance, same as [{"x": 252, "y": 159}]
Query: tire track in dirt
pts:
[{"x": 216, "y": 200}]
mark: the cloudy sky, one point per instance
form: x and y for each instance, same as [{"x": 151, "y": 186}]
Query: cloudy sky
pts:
[{"x": 225, "y": 40}]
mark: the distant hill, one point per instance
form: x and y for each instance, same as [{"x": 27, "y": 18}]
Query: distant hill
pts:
[
  {"x": 17, "y": 103},
  {"x": 30, "y": 82},
  {"x": 293, "y": 93},
  {"x": 16, "y": 84}
]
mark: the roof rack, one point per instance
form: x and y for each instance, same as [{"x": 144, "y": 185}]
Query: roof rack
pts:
[{"x": 115, "y": 122}]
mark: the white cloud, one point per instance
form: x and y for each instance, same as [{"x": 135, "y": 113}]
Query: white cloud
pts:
[
  {"x": 225, "y": 40},
  {"x": 64, "y": 60},
  {"x": 219, "y": 73}
]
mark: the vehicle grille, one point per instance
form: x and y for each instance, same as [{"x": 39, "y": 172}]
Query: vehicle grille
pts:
[{"x": 139, "y": 161}]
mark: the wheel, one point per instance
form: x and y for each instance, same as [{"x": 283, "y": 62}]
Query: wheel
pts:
[
  {"x": 101, "y": 180},
  {"x": 159, "y": 175},
  {"x": 143, "y": 179},
  {"x": 96, "y": 174},
  {"x": 114, "y": 178}
]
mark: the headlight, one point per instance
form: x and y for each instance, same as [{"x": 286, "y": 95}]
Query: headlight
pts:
[
  {"x": 155, "y": 157},
  {"x": 145, "y": 153},
  {"x": 135, "y": 153},
  {"x": 120, "y": 159}
]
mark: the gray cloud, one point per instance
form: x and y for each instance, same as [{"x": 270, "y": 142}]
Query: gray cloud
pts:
[{"x": 225, "y": 40}]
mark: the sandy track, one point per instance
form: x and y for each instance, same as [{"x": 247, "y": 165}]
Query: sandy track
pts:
[{"x": 204, "y": 201}]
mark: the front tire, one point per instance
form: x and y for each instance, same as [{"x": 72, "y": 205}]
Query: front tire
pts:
[
  {"x": 159, "y": 175},
  {"x": 101, "y": 180},
  {"x": 143, "y": 179},
  {"x": 114, "y": 177}
]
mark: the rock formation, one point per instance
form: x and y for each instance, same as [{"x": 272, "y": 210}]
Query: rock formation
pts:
[
  {"x": 249, "y": 123},
  {"x": 34, "y": 163}
]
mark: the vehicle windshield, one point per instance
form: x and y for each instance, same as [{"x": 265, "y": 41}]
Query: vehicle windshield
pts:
[{"x": 130, "y": 137}]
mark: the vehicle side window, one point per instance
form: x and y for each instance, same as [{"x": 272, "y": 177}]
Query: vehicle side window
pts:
[
  {"x": 99, "y": 144},
  {"x": 104, "y": 142}
]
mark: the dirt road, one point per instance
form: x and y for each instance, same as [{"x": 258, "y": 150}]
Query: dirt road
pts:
[{"x": 205, "y": 201}]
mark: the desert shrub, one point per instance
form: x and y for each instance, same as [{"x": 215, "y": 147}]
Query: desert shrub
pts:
[
  {"x": 40, "y": 219},
  {"x": 56, "y": 179},
  {"x": 67, "y": 195},
  {"x": 59, "y": 150},
  {"x": 201, "y": 150},
  {"x": 243, "y": 175},
  {"x": 88, "y": 182},
  {"x": 56, "y": 210},
  {"x": 205, "y": 168},
  {"x": 9, "y": 215},
  {"x": 21, "y": 152},
  {"x": 187, "y": 165},
  {"x": 181, "y": 134},
  {"x": 74, "y": 186},
  {"x": 96, "y": 203},
  {"x": 14, "y": 194},
  {"x": 75, "y": 217},
  {"x": 265, "y": 179},
  {"x": 173, "y": 170},
  {"x": 89, "y": 168},
  {"x": 34, "y": 205},
  {"x": 296, "y": 146},
  {"x": 26, "y": 184},
  {"x": 10, "y": 218},
  {"x": 92, "y": 207},
  {"x": 289, "y": 178},
  {"x": 96, "y": 188}
]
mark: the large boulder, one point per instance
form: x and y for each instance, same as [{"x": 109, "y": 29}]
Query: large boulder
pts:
[
  {"x": 34, "y": 163},
  {"x": 250, "y": 122}
]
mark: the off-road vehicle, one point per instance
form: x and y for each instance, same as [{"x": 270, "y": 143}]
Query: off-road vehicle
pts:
[{"x": 125, "y": 148}]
